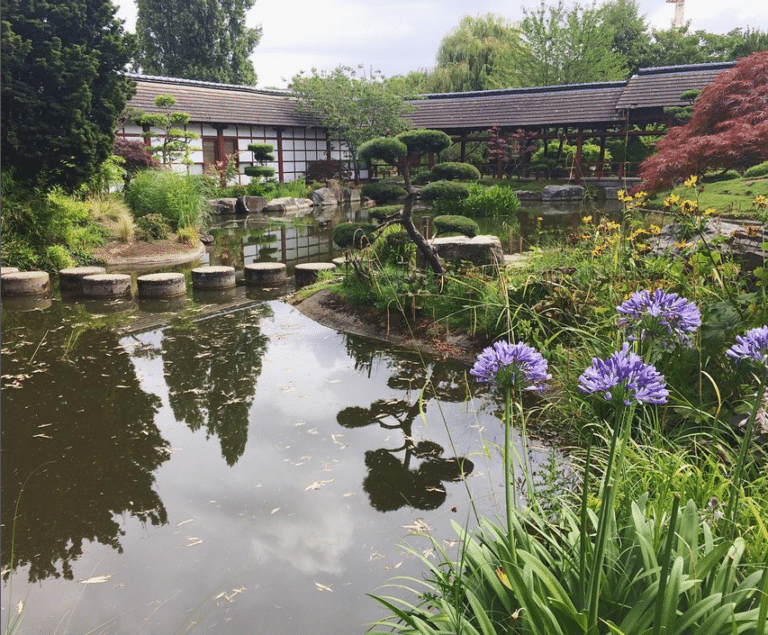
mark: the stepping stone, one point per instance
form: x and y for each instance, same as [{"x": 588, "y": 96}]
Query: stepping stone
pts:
[
  {"x": 162, "y": 285},
  {"x": 107, "y": 285},
  {"x": 341, "y": 262},
  {"x": 4, "y": 270},
  {"x": 71, "y": 279},
  {"x": 307, "y": 273},
  {"x": 26, "y": 283},
  {"x": 265, "y": 274},
  {"x": 213, "y": 277}
]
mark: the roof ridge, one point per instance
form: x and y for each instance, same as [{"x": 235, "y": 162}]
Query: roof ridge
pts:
[
  {"x": 522, "y": 90},
  {"x": 680, "y": 68},
  {"x": 160, "y": 79}
]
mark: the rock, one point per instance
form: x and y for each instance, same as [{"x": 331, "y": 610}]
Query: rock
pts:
[
  {"x": 287, "y": 206},
  {"x": 528, "y": 195},
  {"x": 324, "y": 196},
  {"x": 562, "y": 193},
  {"x": 250, "y": 204},
  {"x": 206, "y": 239},
  {"x": 480, "y": 250},
  {"x": 223, "y": 206},
  {"x": 352, "y": 195}
]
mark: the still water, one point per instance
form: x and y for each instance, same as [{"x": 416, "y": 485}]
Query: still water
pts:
[{"x": 231, "y": 468}]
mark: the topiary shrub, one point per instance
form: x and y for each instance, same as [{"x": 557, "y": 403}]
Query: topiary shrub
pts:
[
  {"x": 380, "y": 213},
  {"x": 387, "y": 149},
  {"x": 453, "y": 224},
  {"x": 424, "y": 140},
  {"x": 455, "y": 171},
  {"x": 152, "y": 227},
  {"x": 382, "y": 192},
  {"x": 446, "y": 190},
  {"x": 761, "y": 169},
  {"x": 356, "y": 235}
]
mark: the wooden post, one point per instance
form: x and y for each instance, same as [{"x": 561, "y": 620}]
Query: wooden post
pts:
[
  {"x": 602, "y": 156},
  {"x": 280, "y": 166}
]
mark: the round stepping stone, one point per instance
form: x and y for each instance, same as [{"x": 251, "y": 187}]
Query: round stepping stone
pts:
[
  {"x": 213, "y": 277},
  {"x": 4, "y": 270},
  {"x": 26, "y": 283},
  {"x": 265, "y": 274},
  {"x": 341, "y": 262},
  {"x": 71, "y": 279},
  {"x": 307, "y": 273},
  {"x": 107, "y": 285},
  {"x": 162, "y": 285}
]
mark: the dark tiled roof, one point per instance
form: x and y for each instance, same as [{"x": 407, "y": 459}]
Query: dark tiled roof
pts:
[
  {"x": 207, "y": 102},
  {"x": 577, "y": 104},
  {"x": 662, "y": 86}
]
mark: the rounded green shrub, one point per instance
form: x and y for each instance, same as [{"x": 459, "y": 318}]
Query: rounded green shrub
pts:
[
  {"x": 387, "y": 149},
  {"x": 446, "y": 190},
  {"x": 259, "y": 171},
  {"x": 58, "y": 257},
  {"x": 382, "y": 191},
  {"x": 152, "y": 227},
  {"x": 455, "y": 171},
  {"x": 454, "y": 224},
  {"x": 424, "y": 140},
  {"x": 761, "y": 169},
  {"x": 380, "y": 213},
  {"x": 357, "y": 235}
]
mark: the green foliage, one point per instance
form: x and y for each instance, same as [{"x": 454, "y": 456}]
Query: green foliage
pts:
[
  {"x": 152, "y": 227},
  {"x": 424, "y": 140},
  {"x": 388, "y": 149},
  {"x": 62, "y": 93},
  {"x": 206, "y": 40},
  {"x": 262, "y": 152},
  {"x": 382, "y": 192},
  {"x": 259, "y": 171},
  {"x": 379, "y": 213},
  {"x": 482, "y": 201},
  {"x": 356, "y": 235},
  {"x": 175, "y": 140},
  {"x": 58, "y": 257},
  {"x": 452, "y": 224},
  {"x": 443, "y": 190},
  {"x": 180, "y": 198},
  {"x": 355, "y": 108},
  {"x": 393, "y": 247},
  {"x": 455, "y": 171},
  {"x": 568, "y": 46},
  {"x": 757, "y": 170}
]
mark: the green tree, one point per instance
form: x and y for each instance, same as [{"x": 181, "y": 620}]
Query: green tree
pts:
[
  {"x": 479, "y": 54},
  {"x": 174, "y": 144},
  {"x": 631, "y": 36},
  {"x": 61, "y": 92},
  {"x": 197, "y": 39},
  {"x": 354, "y": 107},
  {"x": 567, "y": 46}
]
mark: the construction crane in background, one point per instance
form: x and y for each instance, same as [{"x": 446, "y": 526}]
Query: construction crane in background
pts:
[{"x": 679, "y": 20}]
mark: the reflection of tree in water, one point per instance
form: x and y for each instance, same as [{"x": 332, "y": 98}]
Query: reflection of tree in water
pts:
[
  {"x": 393, "y": 482},
  {"x": 79, "y": 437},
  {"x": 211, "y": 367}
]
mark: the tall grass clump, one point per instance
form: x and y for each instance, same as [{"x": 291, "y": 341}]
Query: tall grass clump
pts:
[
  {"x": 482, "y": 201},
  {"x": 180, "y": 198}
]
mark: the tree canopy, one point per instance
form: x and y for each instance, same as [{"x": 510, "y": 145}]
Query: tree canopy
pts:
[
  {"x": 353, "y": 106},
  {"x": 197, "y": 39},
  {"x": 728, "y": 128},
  {"x": 61, "y": 92}
]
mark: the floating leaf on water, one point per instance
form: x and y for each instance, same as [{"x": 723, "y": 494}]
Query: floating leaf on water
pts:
[
  {"x": 195, "y": 541},
  {"x": 348, "y": 494},
  {"x": 20, "y": 607},
  {"x": 322, "y": 587},
  {"x": 418, "y": 525},
  {"x": 276, "y": 509},
  {"x": 99, "y": 579},
  {"x": 375, "y": 555},
  {"x": 318, "y": 484},
  {"x": 184, "y": 522},
  {"x": 41, "y": 436}
]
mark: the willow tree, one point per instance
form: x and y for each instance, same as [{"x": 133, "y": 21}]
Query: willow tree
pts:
[{"x": 403, "y": 151}]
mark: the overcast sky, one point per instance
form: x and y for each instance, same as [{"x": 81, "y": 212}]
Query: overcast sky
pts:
[{"x": 399, "y": 36}]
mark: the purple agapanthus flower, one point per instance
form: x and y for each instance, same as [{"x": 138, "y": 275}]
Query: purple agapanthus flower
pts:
[
  {"x": 659, "y": 315},
  {"x": 752, "y": 347},
  {"x": 624, "y": 377},
  {"x": 516, "y": 366}
]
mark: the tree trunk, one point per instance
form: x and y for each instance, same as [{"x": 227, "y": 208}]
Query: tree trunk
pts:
[{"x": 406, "y": 218}]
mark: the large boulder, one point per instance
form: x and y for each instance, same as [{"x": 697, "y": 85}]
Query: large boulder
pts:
[
  {"x": 250, "y": 204},
  {"x": 325, "y": 196},
  {"x": 480, "y": 250},
  {"x": 562, "y": 193},
  {"x": 287, "y": 206},
  {"x": 352, "y": 195},
  {"x": 223, "y": 206}
]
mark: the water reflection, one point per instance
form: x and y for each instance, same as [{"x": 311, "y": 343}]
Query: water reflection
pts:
[
  {"x": 82, "y": 440},
  {"x": 211, "y": 368}
]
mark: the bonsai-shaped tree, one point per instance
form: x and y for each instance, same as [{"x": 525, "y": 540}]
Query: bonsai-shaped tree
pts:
[
  {"x": 402, "y": 151},
  {"x": 262, "y": 152},
  {"x": 175, "y": 140}
]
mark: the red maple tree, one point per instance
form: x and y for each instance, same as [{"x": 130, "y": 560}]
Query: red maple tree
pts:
[{"x": 728, "y": 128}]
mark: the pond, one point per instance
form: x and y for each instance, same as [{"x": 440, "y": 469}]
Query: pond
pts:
[{"x": 227, "y": 466}]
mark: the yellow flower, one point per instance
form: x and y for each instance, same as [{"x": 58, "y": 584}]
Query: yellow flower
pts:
[
  {"x": 691, "y": 181},
  {"x": 586, "y": 220},
  {"x": 611, "y": 226},
  {"x": 671, "y": 200},
  {"x": 688, "y": 206},
  {"x": 641, "y": 194},
  {"x": 642, "y": 248},
  {"x": 638, "y": 233},
  {"x": 655, "y": 230},
  {"x": 681, "y": 245},
  {"x": 709, "y": 211}
]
